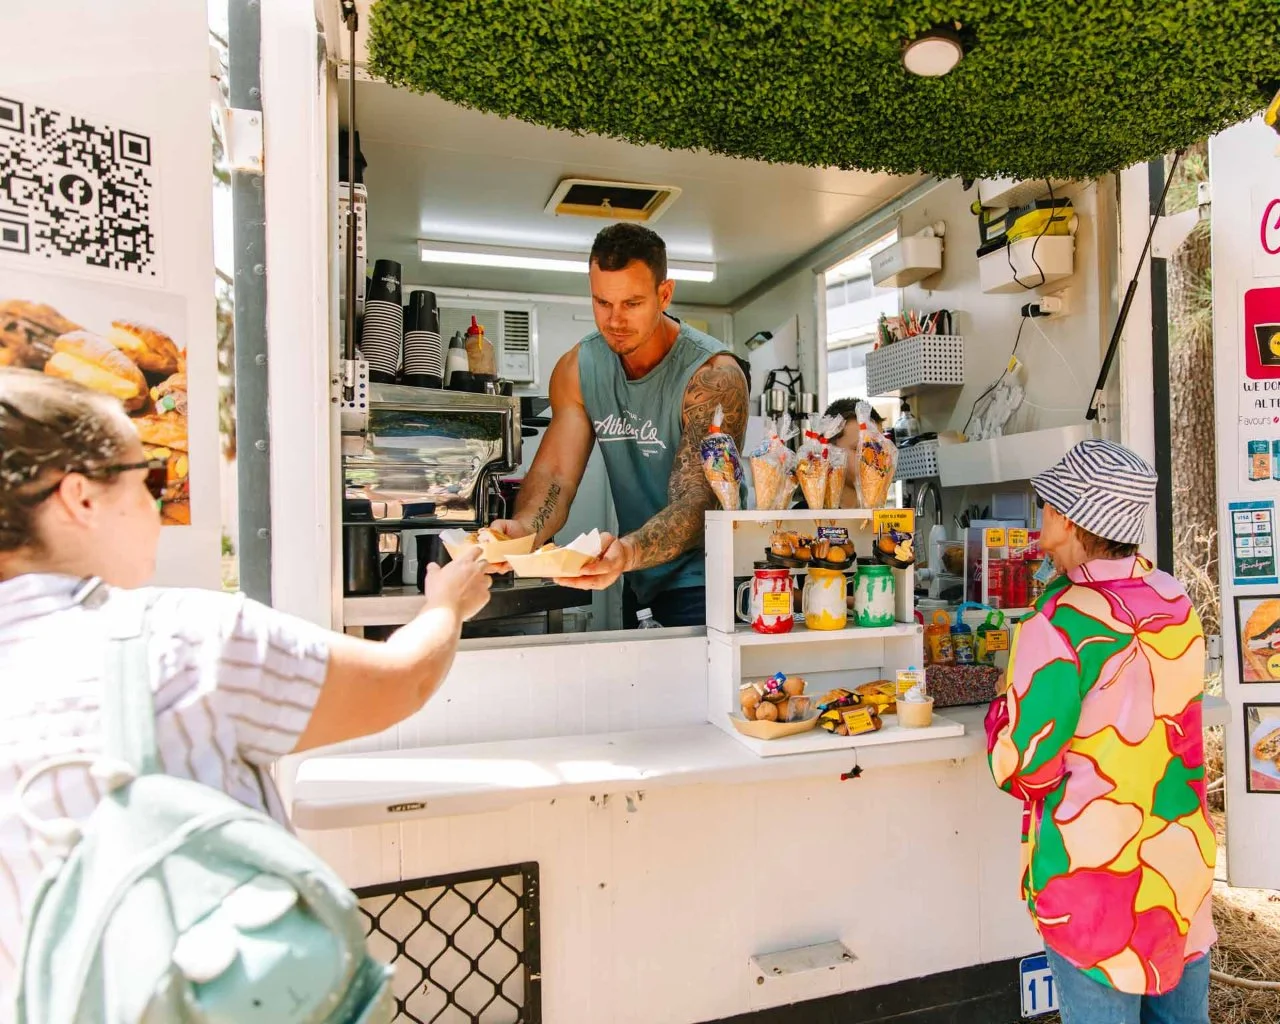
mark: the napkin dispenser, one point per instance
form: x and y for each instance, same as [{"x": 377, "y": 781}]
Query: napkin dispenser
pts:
[{"x": 425, "y": 458}]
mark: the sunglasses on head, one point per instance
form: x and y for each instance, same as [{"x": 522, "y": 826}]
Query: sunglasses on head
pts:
[{"x": 157, "y": 478}]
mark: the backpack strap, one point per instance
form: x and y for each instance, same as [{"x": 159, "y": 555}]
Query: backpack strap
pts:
[{"x": 128, "y": 708}]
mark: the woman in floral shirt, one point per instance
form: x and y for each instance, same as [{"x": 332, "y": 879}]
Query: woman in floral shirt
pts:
[{"x": 1099, "y": 733}]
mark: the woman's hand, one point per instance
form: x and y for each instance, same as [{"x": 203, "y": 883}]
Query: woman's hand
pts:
[{"x": 462, "y": 585}]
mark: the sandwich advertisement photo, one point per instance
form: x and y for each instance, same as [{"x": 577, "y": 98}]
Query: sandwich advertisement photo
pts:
[{"x": 123, "y": 342}]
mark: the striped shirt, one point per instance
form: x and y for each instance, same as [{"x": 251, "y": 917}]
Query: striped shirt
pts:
[{"x": 235, "y": 684}]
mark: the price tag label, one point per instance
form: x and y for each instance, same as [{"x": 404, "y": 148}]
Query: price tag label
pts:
[
  {"x": 858, "y": 720},
  {"x": 1019, "y": 539},
  {"x": 901, "y": 519},
  {"x": 775, "y": 604},
  {"x": 995, "y": 537},
  {"x": 996, "y": 640}
]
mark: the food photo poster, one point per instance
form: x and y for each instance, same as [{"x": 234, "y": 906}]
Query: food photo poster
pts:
[{"x": 120, "y": 341}]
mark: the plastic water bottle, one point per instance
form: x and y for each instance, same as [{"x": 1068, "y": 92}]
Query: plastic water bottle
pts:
[{"x": 646, "y": 620}]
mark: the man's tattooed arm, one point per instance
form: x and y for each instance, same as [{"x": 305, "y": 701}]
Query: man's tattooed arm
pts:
[
  {"x": 552, "y": 481},
  {"x": 679, "y": 527},
  {"x": 546, "y": 509}
]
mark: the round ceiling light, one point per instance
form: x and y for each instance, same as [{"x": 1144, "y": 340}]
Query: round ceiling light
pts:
[{"x": 933, "y": 54}]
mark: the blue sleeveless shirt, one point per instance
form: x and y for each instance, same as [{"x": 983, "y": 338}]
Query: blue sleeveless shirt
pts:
[{"x": 638, "y": 424}]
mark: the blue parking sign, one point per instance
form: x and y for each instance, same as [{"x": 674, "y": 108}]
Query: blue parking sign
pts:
[{"x": 1035, "y": 982}]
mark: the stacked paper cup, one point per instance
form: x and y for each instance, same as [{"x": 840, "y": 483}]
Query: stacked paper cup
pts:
[
  {"x": 423, "y": 350},
  {"x": 382, "y": 331}
]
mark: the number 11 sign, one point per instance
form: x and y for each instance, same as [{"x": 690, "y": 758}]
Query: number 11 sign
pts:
[{"x": 1035, "y": 982}]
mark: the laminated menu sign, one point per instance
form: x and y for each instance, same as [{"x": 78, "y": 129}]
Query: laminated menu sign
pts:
[
  {"x": 1253, "y": 542},
  {"x": 1259, "y": 410}
]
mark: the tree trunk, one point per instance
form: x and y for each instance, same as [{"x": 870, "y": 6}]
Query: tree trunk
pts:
[{"x": 1193, "y": 430}]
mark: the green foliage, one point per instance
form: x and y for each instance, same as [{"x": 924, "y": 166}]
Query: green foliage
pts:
[{"x": 1069, "y": 90}]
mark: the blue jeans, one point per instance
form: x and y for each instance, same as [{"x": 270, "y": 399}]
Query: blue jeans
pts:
[{"x": 1085, "y": 1001}]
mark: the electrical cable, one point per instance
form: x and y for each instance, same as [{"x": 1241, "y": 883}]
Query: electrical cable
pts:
[
  {"x": 1008, "y": 247},
  {"x": 1056, "y": 351},
  {"x": 999, "y": 380}
]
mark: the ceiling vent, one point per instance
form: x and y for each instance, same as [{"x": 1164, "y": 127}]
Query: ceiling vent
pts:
[{"x": 611, "y": 200}]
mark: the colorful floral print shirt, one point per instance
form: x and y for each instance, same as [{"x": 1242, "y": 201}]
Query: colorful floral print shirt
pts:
[{"x": 1100, "y": 734}]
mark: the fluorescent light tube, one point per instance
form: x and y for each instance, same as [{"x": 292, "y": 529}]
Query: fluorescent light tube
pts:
[{"x": 462, "y": 254}]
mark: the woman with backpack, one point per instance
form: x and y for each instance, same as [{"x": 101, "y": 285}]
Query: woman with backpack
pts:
[{"x": 235, "y": 685}]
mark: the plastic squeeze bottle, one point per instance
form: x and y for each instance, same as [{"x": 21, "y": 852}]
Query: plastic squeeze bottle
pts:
[
  {"x": 480, "y": 355},
  {"x": 457, "y": 358}
]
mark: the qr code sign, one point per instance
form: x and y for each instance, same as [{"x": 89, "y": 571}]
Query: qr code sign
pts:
[{"x": 74, "y": 190}]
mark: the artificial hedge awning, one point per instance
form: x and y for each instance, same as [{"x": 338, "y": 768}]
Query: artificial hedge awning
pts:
[{"x": 1067, "y": 89}]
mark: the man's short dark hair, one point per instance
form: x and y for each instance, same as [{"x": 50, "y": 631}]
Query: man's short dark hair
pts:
[
  {"x": 848, "y": 408},
  {"x": 621, "y": 244},
  {"x": 746, "y": 369}
]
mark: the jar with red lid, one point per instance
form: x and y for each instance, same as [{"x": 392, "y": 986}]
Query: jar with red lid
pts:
[{"x": 769, "y": 603}]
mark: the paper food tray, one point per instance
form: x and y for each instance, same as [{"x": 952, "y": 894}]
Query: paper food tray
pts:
[
  {"x": 565, "y": 562},
  {"x": 457, "y": 541}
]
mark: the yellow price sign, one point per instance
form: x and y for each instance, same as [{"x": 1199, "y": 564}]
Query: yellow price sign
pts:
[
  {"x": 996, "y": 640},
  {"x": 995, "y": 537},
  {"x": 1019, "y": 539},
  {"x": 901, "y": 519},
  {"x": 1273, "y": 666}
]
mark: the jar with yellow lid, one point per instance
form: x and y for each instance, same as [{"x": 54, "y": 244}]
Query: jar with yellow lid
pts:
[{"x": 825, "y": 599}]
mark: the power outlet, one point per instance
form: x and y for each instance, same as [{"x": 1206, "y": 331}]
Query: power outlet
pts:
[{"x": 1056, "y": 304}]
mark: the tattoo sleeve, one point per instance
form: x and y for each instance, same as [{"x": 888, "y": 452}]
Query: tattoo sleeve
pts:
[{"x": 679, "y": 527}]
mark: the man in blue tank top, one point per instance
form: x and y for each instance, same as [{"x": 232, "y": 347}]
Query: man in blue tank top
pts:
[{"x": 646, "y": 387}]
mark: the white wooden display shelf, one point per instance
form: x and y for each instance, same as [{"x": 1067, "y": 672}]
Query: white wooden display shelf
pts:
[
  {"x": 343, "y": 791},
  {"x": 735, "y": 541},
  {"x": 744, "y": 636},
  {"x": 818, "y": 739},
  {"x": 825, "y": 659}
]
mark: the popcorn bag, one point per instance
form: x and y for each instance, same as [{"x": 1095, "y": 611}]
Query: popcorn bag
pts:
[
  {"x": 773, "y": 466},
  {"x": 814, "y": 466},
  {"x": 721, "y": 464},
  {"x": 877, "y": 461},
  {"x": 831, "y": 428}
]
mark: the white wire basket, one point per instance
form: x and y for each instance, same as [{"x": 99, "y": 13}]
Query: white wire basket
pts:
[
  {"x": 918, "y": 462},
  {"x": 916, "y": 363}
]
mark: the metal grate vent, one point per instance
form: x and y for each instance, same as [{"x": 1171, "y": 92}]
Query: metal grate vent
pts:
[
  {"x": 511, "y": 329},
  {"x": 465, "y": 947},
  {"x": 517, "y": 330}
]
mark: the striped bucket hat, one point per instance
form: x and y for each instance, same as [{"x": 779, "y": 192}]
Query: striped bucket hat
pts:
[{"x": 1102, "y": 487}]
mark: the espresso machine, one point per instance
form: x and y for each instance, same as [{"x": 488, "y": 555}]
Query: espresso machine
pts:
[
  {"x": 416, "y": 461},
  {"x": 789, "y": 396}
]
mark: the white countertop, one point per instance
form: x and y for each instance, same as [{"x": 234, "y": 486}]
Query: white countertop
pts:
[{"x": 350, "y": 790}]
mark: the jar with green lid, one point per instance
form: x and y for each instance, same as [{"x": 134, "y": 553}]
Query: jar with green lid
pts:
[{"x": 874, "y": 602}]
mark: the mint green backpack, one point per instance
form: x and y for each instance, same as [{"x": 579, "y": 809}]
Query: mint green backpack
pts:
[{"x": 175, "y": 903}]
